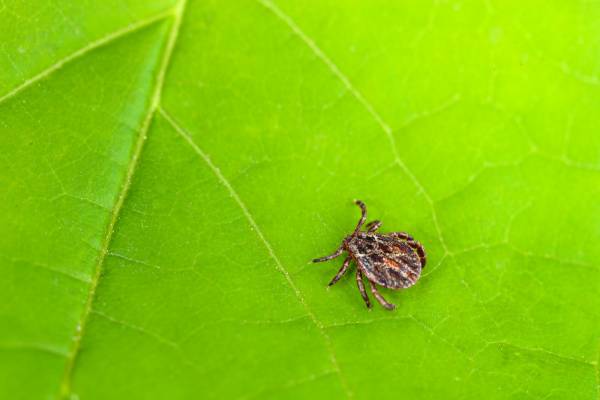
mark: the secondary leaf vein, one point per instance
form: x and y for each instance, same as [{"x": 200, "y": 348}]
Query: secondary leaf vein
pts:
[
  {"x": 364, "y": 102},
  {"x": 96, "y": 44},
  {"x": 223, "y": 180}
]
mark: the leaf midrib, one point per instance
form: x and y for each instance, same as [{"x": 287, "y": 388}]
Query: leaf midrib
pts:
[{"x": 177, "y": 14}]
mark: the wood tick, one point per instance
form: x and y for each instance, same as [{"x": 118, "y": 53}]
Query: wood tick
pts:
[{"x": 393, "y": 260}]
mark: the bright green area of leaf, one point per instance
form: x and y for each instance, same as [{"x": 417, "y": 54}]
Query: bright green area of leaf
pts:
[{"x": 168, "y": 171}]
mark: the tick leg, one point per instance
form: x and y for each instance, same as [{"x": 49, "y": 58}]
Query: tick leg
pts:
[
  {"x": 380, "y": 298},
  {"x": 337, "y": 253},
  {"x": 420, "y": 251},
  {"x": 341, "y": 272},
  {"x": 373, "y": 226},
  {"x": 403, "y": 236},
  {"x": 361, "y": 287},
  {"x": 363, "y": 217}
]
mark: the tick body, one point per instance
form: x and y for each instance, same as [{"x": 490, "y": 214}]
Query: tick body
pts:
[{"x": 393, "y": 260}]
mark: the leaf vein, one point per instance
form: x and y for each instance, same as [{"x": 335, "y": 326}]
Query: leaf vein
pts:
[
  {"x": 41, "y": 347},
  {"x": 366, "y": 104},
  {"x": 223, "y": 180},
  {"x": 96, "y": 44},
  {"x": 542, "y": 351},
  {"x": 137, "y": 328},
  {"x": 65, "y": 385}
]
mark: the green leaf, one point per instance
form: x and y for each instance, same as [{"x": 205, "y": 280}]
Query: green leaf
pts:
[{"x": 168, "y": 170}]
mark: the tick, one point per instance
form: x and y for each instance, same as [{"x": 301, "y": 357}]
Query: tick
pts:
[{"x": 393, "y": 260}]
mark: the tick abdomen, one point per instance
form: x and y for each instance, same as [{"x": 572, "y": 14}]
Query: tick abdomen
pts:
[{"x": 385, "y": 259}]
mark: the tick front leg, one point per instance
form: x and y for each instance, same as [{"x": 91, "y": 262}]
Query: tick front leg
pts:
[
  {"x": 373, "y": 226},
  {"x": 380, "y": 298},
  {"x": 341, "y": 272},
  {"x": 363, "y": 216},
  {"x": 361, "y": 287},
  {"x": 337, "y": 253}
]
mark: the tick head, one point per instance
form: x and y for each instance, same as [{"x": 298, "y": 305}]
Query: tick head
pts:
[{"x": 347, "y": 240}]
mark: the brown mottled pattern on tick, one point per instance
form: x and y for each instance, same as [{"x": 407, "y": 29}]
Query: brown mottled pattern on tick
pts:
[{"x": 393, "y": 260}]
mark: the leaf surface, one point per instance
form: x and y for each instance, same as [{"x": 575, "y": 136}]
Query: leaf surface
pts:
[{"x": 169, "y": 170}]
